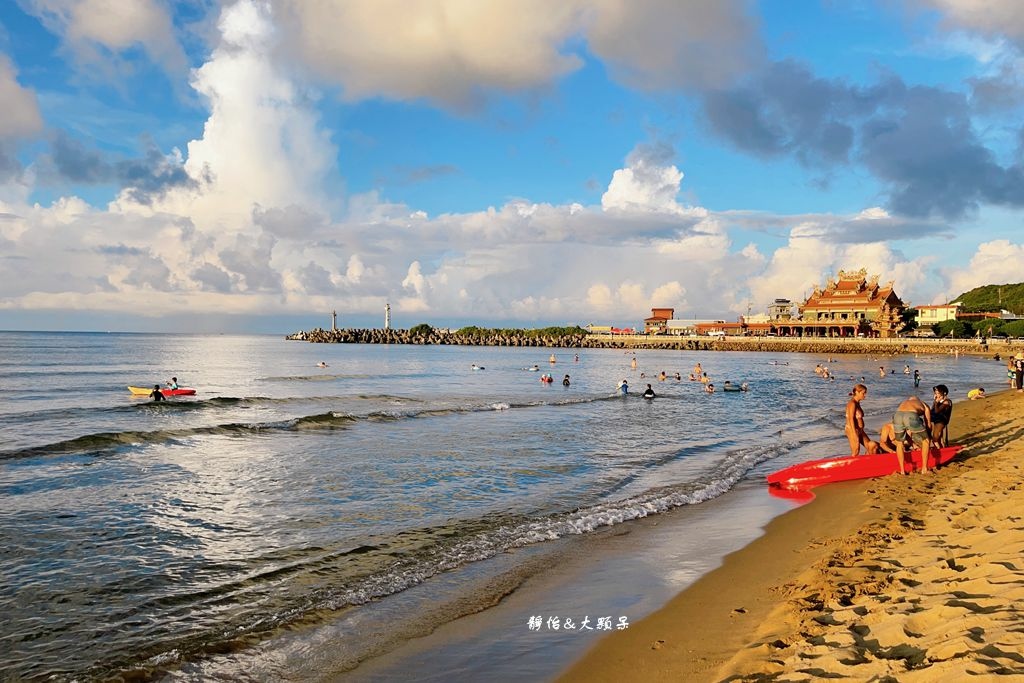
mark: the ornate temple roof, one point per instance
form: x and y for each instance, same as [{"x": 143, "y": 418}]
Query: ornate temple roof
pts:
[{"x": 852, "y": 289}]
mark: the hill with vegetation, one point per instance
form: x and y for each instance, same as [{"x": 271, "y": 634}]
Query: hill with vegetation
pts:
[{"x": 993, "y": 298}]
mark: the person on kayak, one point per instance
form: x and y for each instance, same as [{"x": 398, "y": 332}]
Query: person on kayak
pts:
[
  {"x": 173, "y": 384},
  {"x": 914, "y": 419},
  {"x": 854, "y": 428},
  {"x": 156, "y": 394}
]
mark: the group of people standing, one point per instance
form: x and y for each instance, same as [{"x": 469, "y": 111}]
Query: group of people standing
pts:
[
  {"x": 913, "y": 424},
  {"x": 1015, "y": 372}
]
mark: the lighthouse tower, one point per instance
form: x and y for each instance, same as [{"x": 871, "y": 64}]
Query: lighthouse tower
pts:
[
  {"x": 387, "y": 316},
  {"x": 334, "y": 320}
]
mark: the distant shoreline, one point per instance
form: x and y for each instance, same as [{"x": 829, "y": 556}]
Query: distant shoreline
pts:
[{"x": 901, "y": 345}]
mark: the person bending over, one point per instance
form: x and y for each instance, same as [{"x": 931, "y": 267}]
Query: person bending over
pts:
[
  {"x": 913, "y": 420},
  {"x": 887, "y": 438}
]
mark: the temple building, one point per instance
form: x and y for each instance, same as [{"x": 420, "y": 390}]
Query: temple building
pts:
[{"x": 851, "y": 305}]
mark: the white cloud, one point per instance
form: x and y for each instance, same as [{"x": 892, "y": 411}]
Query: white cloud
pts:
[
  {"x": 261, "y": 143},
  {"x": 95, "y": 30},
  {"x": 441, "y": 50},
  {"x": 454, "y": 52},
  {"x": 21, "y": 110},
  {"x": 989, "y": 17},
  {"x": 794, "y": 269},
  {"x": 995, "y": 262}
]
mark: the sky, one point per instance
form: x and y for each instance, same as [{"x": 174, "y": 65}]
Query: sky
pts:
[{"x": 253, "y": 165}]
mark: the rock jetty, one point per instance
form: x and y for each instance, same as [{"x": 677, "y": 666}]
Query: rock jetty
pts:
[
  {"x": 496, "y": 338},
  {"x": 875, "y": 347}
]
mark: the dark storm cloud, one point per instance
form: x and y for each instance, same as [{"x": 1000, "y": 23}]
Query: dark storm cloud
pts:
[
  {"x": 926, "y": 150},
  {"x": 1002, "y": 91},
  {"x": 144, "y": 179},
  {"x": 918, "y": 141}
]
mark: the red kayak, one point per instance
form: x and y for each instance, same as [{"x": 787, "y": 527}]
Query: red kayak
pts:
[
  {"x": 182, "y": 391},
  {"x": 807, "y": 475}
]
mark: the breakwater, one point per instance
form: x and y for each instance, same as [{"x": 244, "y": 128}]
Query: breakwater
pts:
[
  {"x": 877, "y": 347},
  {"x": 495, "y": 338}
]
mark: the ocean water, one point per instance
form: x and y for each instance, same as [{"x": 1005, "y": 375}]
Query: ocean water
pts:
[{"x": 139, "y": 537}]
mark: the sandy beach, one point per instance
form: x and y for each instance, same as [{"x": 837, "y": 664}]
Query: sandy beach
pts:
[{"x": 913, "y": 578}]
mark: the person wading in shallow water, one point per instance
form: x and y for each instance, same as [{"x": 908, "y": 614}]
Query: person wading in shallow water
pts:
[
  {"x": 854, "y": 428},
  {"x": 156, "y": 394}
]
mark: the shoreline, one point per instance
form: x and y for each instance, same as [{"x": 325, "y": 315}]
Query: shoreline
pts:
[{"x": 836, "y": 587}]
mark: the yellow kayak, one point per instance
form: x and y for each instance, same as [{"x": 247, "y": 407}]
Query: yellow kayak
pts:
[{"x": 180, "y": 391}]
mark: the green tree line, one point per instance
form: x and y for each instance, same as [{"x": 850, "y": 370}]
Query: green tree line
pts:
[
  {"x": 991, "y": 327},
  {"x": 993, "y": 298},
  {"x": 475, "y": 332}
]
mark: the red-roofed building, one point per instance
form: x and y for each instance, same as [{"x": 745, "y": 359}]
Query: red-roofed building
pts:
[
  {"x": 850, "y": 305},
  {"x": 658, "y": 322}
]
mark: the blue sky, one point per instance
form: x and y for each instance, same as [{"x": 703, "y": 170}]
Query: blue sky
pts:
[{"x": 254, "y": 164}]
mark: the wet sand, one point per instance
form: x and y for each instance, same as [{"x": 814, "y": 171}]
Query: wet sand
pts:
[{"x": 915, "y": 578}]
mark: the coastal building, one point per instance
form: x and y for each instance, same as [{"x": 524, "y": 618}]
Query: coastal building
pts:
[
  {"x": 933, "y": 315},
  {"x": 658, "y": 322},
  {"x": 1001, "y": 314},
  {"x": 780, "y": 309},
  {"x": 850, "y": 305},
  {"x": 681, "y": 327},
  {"x": 716, "y": 327}
]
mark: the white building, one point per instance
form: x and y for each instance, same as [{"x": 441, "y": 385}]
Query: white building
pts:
[
  {"x": 932, "y": 315},
  {"x": 683, "y": 327}
]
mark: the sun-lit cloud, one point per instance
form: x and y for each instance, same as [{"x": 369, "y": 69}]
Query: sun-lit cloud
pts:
[
  {"x": 990, "y": 17},
  {"x": 995, "y": 262},
  {"x": 455, "y": 52},
  {"x": 253, "y": 213},
  {"x": 98, "y": 32}
]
